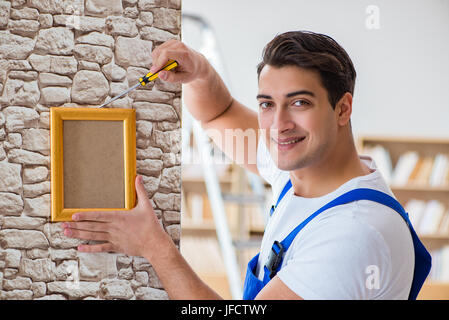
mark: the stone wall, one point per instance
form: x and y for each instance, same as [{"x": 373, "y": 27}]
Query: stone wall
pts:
[{"x": 80, "y": 53}]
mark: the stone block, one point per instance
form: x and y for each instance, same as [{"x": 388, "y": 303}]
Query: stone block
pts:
[
  {"x": 147, "y": 293},
  {"x": 38, "y": 269},
  {"x": 36, "y": 139},
  {"x": 18, "y": 92},
  {"x": 121, "y": 26},
  {"x": 36, "y": 174},
  {"x": 114, "y": 72},
  {"x": 156, "y": 34},
  {"x": 63, "y": 254},
  {"x": 80, "y": 23},
  {"x": 39, "y": 289},
  {"x": 25, "y": 13},
  {"x": 12, "y": 258},
  {"x": 131, "y": 12},
  {"x": 27, "y": 157},
  {"x": 167, "y": 19},
  {"x": 168, "y": 141},
  {"x": 45, "y": 20},
  {"x": 57, "y": 40},
  {"x": 96, "y": 38},
  {"x": 67, "y": 270},
  {"x": 10, "y": 178},
  {"x": 19, "y": 283},
  {"x": 99, "y": 54},
  {"x": 16, "y": 295},
  {"x": 171, "y": 179},
  {"x": 55, "y": 64},
  {"x": 10, "y": 204},
  {"x": 133, "y": 52},
  {"x": 20, "y": 118},
  {"x": 55, "y": 7},
  {"x": 14, "y": 140},
  {"x": 149, "y": 153},
  {"x": 13, "y": 46},
  {"x": 35, "y": 190},
  {"x": 55, "y": 96},
  {"x": 151, "y": 96},
  {"x": 155, "y": 112},
  {"x": 26, "y": 28},
  {"x": 23, "y": 75},
  {"x": 75, "y": 290},
  {"x": 39, "y": 206},
  {"x": 37, "y": 253},
  {"x": 5, "y": 8},
  {"x": 23, "y": 223},
  {"x": 102, "y": 8},
  {"x": 149, "y": 167},
  {"x": 23, "y": 239},
  {"x": 146, "y": 18},
  {"x": 145, "y": 5},
  {"x": 116, "y": 289},
  {"x": 94, "y": 267},
  {"x": 50, "y": 79},
  {"x": 144, "y": 128},
  {"x": 89, "y": 87},
  {"x": 172, "y": 216},
  {"x": 151, "y": 185},
  {"x": 168, "y": 201}
]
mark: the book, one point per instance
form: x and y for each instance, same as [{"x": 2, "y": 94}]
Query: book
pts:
[
  {"x": 439, "y": 170},
  {"x": 416, "y": 170},
  {"x": 444, "y": 276},
  {"x": 415, "y": 209},
  {"x": 423, "y": 176},
  {"x": 431, "y": 219},
  {"x": 404, "y": 168},
  {"x": 382, "y": 158},
  {"x": 444, "y": 226}
]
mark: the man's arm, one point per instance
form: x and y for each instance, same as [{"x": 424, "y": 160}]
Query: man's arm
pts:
[
  {"x": 232, "y": 126},
  {"x": 138, "y": 233}
]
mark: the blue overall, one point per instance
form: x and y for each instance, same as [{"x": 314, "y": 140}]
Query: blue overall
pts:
[{"x": 253, "y": 285}]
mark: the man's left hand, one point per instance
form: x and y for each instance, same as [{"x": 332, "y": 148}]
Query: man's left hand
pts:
[{"x": 130, "y": 232}]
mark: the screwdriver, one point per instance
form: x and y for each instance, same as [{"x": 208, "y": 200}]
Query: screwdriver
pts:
[{"x": 144, "y": 80}]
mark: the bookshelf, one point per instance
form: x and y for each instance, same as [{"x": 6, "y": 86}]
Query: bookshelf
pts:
[{"x": 417, "y": 170}]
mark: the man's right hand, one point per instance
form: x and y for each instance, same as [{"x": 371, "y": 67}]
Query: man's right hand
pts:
[
  {"x": 192, "y": 65},
  {"x": 209, "y": 101}
]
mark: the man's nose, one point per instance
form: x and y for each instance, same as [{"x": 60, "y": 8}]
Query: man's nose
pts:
[{"x": 282, "y": 120}]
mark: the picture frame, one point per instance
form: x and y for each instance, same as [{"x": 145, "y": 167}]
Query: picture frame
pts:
[{"x": 93, "y": 160}]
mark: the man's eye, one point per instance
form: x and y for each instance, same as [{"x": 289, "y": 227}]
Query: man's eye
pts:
[
  {"x": 301, "y": 103},
  {"x": 264, "y": 105}
]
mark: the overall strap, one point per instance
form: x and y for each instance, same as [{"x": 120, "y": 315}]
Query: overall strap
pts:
[
  {"x": 350, "y": 196},
  {"x": 279, "y": 248},
  {"x": 287, "y": 187}
]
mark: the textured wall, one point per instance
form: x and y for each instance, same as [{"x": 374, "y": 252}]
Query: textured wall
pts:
[{"x": 80, "y": 53}]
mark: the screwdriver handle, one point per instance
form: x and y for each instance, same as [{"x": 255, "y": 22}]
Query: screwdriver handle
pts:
[{"x": 151, "y": 76}]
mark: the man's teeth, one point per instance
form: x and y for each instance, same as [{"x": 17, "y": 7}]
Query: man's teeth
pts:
[{"x": 290, "y": 142}]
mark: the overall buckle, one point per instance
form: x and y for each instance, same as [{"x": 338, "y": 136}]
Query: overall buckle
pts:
[{"x": 275, "y": 258}]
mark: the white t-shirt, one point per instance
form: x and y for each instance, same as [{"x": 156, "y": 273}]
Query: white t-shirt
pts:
[{"x": 359, "y": 250}]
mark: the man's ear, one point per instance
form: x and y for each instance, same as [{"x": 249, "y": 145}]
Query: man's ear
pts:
[{"x": 343, "y": 109}]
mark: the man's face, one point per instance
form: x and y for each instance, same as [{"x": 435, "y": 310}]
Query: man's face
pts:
[{"x": 299, "y": 123}]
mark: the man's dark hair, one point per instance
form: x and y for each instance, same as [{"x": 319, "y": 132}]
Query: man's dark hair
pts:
[{"x": 313, "y": 51}]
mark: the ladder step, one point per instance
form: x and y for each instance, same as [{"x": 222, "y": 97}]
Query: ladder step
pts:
[
  {"x": 245, "y": 244},
  {"x": 243, "y": 198}
]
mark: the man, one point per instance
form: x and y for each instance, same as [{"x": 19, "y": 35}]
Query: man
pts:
[{"x": 354, "y": 250}]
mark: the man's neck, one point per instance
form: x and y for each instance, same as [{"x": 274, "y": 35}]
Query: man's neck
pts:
[{"x": 326, "y": 176}]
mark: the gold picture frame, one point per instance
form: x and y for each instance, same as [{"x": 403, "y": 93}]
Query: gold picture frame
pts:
[{"x": 93, "y": 160}]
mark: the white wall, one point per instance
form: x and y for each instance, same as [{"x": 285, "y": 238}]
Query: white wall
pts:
[{"x": 402, "y": 87}]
